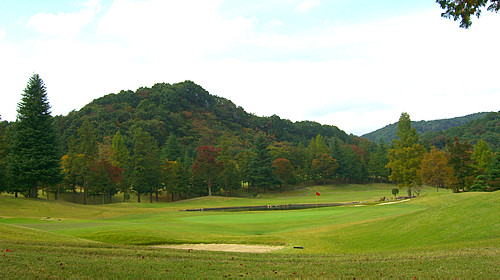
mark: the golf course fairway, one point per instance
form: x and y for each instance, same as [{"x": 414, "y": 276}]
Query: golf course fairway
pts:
[{"x": 436, "y": 235}]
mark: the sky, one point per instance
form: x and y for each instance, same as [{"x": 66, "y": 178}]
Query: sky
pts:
[{"x": 353, "y": 64}]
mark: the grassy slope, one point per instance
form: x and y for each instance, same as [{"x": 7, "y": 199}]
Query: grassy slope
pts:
[{"x": 436, "y": 235}]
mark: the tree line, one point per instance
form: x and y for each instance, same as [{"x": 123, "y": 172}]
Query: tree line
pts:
[
  {"x": 459, "y": 166},
  {"x": 102, "y": 158}
]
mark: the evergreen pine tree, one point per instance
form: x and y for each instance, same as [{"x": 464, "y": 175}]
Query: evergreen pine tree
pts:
[
  {"x": 171, "y": 150},
  {"x": 34, "y": 153},
  {"x": 146, "y": 167},
  {"x": 261, "y": 170},
  {"x": 3, "y": 154},
  {"x": 494, "y": 173},
  {"x": 121, "y": 158}
]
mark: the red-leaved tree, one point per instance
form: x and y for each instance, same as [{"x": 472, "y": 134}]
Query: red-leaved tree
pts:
[{"x": 206, "y": 165}]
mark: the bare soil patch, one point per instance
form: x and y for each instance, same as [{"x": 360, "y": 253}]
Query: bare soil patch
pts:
[
  {"x": 224, "y": 247},
  {"x": 392, "y": 202}
]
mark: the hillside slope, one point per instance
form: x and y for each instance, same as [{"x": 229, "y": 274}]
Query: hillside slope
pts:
[
  {"x": 388, "y": 133},
  {"x": 191, "y": 113}
]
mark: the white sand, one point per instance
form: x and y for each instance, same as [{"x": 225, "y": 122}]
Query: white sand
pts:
[{"x": 224, "y": 247}]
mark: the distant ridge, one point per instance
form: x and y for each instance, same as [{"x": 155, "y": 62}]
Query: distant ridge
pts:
[{"x": 388, "y": 133}]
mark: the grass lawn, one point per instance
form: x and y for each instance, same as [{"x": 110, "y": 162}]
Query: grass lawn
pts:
[{"x": 439, "y": 234}]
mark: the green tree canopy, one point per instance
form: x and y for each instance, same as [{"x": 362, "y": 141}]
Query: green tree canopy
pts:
[
  {"x": 146, "y": 168},
  {"x": 463, "y": 9},
  {"x": 463, "y": 164},
  {"x": 34, "y": 152},
  {"x": 406, "y": 156},
  {"x": 261, "y": 170}
]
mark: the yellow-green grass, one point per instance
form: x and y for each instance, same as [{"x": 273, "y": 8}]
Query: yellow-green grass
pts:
[{"x": 436, "y": 235}]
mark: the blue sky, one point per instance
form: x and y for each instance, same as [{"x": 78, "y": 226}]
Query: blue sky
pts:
[{"x": 353, "y": 64}]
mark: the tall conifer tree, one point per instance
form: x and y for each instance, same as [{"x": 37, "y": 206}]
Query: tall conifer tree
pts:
[
  {"x": 146, "y": 165},
  {"x": 261, "y": 170},
  {"x": 406, "y": 156},
  {"x": 34, "y": 155}
]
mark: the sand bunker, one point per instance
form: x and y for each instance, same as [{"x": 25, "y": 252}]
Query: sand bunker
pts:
[{"x": 224, "y": 247}]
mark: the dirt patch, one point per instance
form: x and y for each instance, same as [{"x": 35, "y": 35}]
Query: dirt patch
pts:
[
  {"x": 224, "y": 247},
  {"x": 392, "y": 202}
]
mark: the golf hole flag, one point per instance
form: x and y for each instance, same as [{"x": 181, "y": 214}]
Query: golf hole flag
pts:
[{"x": 317, "y": 193}]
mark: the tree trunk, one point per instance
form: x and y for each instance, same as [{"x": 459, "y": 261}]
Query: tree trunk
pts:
[
  {"x": 15, "y": 194},
  {"x": 157, "y": 195},
  {"x": 35, "y": 190},
  {"x": 151, "y": 197},
  {"x": 139, "y": 197},
  {"x": 225, "y": 184},
  {"x": 57, "y": 194},
  {"x": 84, "y": 191},
  {"x": 209, "y": 187}
]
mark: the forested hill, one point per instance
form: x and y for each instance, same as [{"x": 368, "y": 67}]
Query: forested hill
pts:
[
  {"x": 388, "y": 133},
  {"x": 486, "y": 128},
  {"x": 188, "y": 111}
]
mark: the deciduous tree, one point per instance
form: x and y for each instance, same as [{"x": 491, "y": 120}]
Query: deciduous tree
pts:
[
  {"x": 324, "y": 166},
  {"x": 463, "y": 9},
  {"x": 406, "y": 156},
  {"x": 482, "y": 157},
  {"x": 284, "y": 169},
  {"x": 206, "y": 165},
  {"x": 435, "y": 169}
]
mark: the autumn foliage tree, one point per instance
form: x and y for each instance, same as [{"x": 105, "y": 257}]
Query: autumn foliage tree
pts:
[
  {"x": 435, "y": 169},
  {"x": 104, "y": 178},
  {"x": 206, "y": 165},
  {"x": 324, "y": 166},
  {"x": 284, "y": 170}
]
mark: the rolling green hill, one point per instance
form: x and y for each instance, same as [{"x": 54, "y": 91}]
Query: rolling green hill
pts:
[
  {"x": 388, "y": 133},
  {"x": 438, "y": 235},
  {"x": 191, "y": 113}
]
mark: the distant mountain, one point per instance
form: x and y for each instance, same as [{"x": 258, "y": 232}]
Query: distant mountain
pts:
[
  {"x": 486, "y": 128},
  {"x": 388, "y": 133}
]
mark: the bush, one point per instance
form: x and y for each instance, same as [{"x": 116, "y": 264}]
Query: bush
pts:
[{"x": 395, "y": 192}]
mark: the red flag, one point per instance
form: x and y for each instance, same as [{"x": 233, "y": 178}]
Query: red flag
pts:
[{"x": 317, "y": 193}]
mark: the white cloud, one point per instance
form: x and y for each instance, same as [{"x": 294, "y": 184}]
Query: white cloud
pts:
[
  {"x": 65, "y": 25},
  {"x": 172, "y": 28},
  {"x": 358, "y": 77},
  {"x": 307, "y": 5}
]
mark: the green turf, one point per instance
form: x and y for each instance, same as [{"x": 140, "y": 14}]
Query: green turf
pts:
[{"x": 441, "y": 235}]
